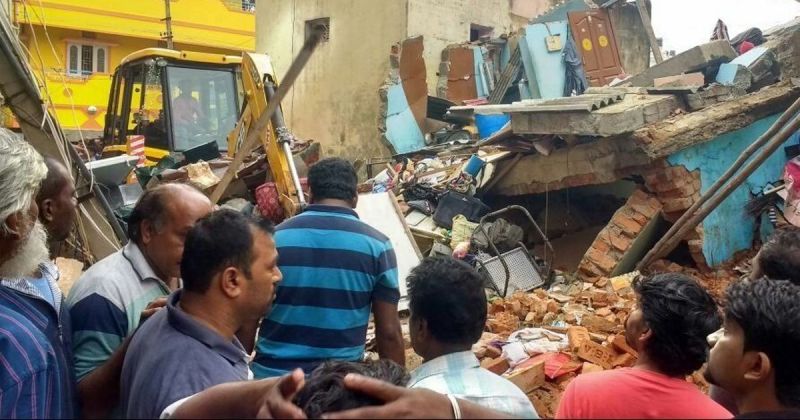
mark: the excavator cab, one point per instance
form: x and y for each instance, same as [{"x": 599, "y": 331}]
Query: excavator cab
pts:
[{"x": 174, "y": 101}]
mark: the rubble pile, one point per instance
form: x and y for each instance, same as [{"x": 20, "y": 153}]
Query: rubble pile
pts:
[{"x": 542, "y": 340}]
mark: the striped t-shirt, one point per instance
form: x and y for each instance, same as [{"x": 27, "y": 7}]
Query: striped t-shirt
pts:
[
  {"x": 106, "y": 303},
  {"x": 334, "y": 266}
]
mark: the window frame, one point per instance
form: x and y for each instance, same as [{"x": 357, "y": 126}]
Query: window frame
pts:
[{"x": 77, "y": 69}]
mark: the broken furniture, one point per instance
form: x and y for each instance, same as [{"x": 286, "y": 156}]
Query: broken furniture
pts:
[{"x": 516, "y": 269}]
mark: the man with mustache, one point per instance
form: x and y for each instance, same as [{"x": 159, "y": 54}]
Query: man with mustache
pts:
[{"x": 36, "y": 375}]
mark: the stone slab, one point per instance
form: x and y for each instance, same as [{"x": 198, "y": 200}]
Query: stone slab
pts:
[{"x": 692, "y": 60}]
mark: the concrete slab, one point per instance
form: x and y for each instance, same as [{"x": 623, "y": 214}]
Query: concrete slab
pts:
[
  {"x": 628, "y": 115},
  {"x": 695, "y": 59}
]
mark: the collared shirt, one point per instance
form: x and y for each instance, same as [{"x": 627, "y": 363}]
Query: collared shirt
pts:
[
  {"x": 45, "y": 287},
  {"x": 36, "y": 375},
  {"x": 106, "y": 303},
  {"x": 173, "y": 356},
  {"x": 460, "y": 374},
  {"x": 334, "y": 266}
]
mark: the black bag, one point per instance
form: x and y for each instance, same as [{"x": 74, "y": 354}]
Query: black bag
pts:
[{"x": 452, "y": 204}]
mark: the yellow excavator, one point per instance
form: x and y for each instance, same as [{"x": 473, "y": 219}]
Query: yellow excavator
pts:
[{"x": 176, "y": 101}]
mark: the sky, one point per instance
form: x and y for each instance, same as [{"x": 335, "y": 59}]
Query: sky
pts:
[{"x": 686, "y": 23}]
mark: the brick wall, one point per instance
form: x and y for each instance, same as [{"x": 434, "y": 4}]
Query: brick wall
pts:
[
  {"x": 678, "y": 189},
  {"x": 614, "y": 241}
]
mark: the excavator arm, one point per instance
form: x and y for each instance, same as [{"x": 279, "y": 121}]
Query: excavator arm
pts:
[{"x": 260, "y": 83}]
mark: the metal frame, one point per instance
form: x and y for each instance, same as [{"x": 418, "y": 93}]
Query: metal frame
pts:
[{"x": 544, "y": 272}]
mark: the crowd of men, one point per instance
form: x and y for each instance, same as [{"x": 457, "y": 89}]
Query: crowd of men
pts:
[{"x": 209, "y": 312}]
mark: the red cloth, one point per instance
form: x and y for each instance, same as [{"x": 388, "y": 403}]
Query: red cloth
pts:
[
  {"x": 268, "y": 203},
  {"x": 556, "y": 365},
  {"x": 635, "y": 393},
  {"x": 745, "y": 47}
]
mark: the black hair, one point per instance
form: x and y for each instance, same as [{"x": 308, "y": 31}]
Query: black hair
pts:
[
  {"x": 449, "y": 295},
  {"x": 219, "y": 240},
  {"x": 333, "y": 178},
  {"x": 779, "y": 257},
  {"x": 324, "y": 391},
  {"x": 767, "y": 311},
  {"x": 57, "y": 178},
  {"x": 681, "y": 314}
]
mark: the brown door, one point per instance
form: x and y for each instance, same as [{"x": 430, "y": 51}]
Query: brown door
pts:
[{"x": 596, "y": 43}]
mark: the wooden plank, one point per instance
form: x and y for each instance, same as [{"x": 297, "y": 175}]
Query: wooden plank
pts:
[{"x": 648, "y": 27}]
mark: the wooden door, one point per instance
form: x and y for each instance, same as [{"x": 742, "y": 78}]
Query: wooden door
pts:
[{"x": 596, "y": 43}]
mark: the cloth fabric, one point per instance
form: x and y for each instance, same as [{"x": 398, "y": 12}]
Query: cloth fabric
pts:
[
  {"x": 576, "y": 82},
  {"x": 106, "y": 302},
  {"x": 647, "y": 395},
  {"x": 36, "y": 374},
  {"x": 334, "y": 266},
  {"x": 46, "y": 290},
  {"x": 172, "y": 356},
  {"x": 460, "y": 374}
]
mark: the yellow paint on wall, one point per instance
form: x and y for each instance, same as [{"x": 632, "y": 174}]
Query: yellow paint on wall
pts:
[{"x": 123, "y": 27}]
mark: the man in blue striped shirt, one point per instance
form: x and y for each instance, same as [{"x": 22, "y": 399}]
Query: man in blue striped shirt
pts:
[
  {"x": 336, "y": 269},
  {"x": 35, "y": 362}
]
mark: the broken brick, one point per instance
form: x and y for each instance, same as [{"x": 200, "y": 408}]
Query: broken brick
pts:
[
  {"x": 528, "y": 378},
  {"x": 592, "y": 352},
  {"x": 601, "y": 259},
  {"x": 621, "y": 344},
  {"x": 497, "y": 366},
  {"x": 591, "y": 367},
  {"x": 629, "y": 226},
  {"x": 577, "y": 335}
]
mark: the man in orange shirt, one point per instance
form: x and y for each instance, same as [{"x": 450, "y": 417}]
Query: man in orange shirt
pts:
[{"x": 668, "y": 327}]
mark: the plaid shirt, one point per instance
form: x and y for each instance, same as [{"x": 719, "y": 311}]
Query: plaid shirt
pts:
[{"x": 460, "y": 374}]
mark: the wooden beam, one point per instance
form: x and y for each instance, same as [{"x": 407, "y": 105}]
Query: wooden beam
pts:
[{"x": 648, "y": 27}]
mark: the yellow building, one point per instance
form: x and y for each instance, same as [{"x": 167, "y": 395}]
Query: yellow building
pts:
[{"x": 75, "y": 45}]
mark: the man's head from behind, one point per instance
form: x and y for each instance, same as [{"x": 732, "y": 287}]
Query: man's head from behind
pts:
[
  {"x": 332, "y": 181},
  {"x": 324, "y": 390},
  {"x": 670, "y": 323},
  {"x": 779, "y": 257},
  {"x": 448, "y": 306},
  {"x": 160, "y": 221},
  {"x": 755, "y": 359},
  {"x": 23, "y": 241},
  {"x": 56, "y": 201},
  {"x": 231, "y": 258}
]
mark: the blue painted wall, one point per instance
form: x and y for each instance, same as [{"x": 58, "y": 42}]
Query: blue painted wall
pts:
[
  {"x": 545, "y": 70},
  {"x": 729, "y": 228},
  {"x": 402, "y": 129},
  {"x": 481, "y": 82}
]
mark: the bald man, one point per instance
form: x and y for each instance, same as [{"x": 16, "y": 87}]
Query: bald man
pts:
[{"x": 109, "y": 300}]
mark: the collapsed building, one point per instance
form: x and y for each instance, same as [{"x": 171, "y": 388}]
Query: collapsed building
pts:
[{"x": 607, "y": 172}]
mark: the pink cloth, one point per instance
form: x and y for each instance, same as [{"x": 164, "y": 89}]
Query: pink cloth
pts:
[
  {"x": 635, "y": 393},
  {"x": 745, "y": 47}
]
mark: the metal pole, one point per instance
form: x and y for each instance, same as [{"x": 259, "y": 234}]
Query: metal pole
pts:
[
  {"x": 252, "y": 137},
  {"x": 168, "y": 20},
  {"x": 715, "y": 198}
]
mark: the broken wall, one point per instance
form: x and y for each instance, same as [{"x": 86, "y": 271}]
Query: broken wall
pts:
[
  {"x": 721, "y": 237},
  {"x": 335, "y": 100},
  {"x": 446, "y": 22},
  {"x": 632, "y": 41},
  {"x": 601, "y": 161}
]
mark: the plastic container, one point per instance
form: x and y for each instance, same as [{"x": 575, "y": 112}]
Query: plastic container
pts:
[
  {"x": 489, "y": 124},
  {"x": 474, "y": 165}
]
